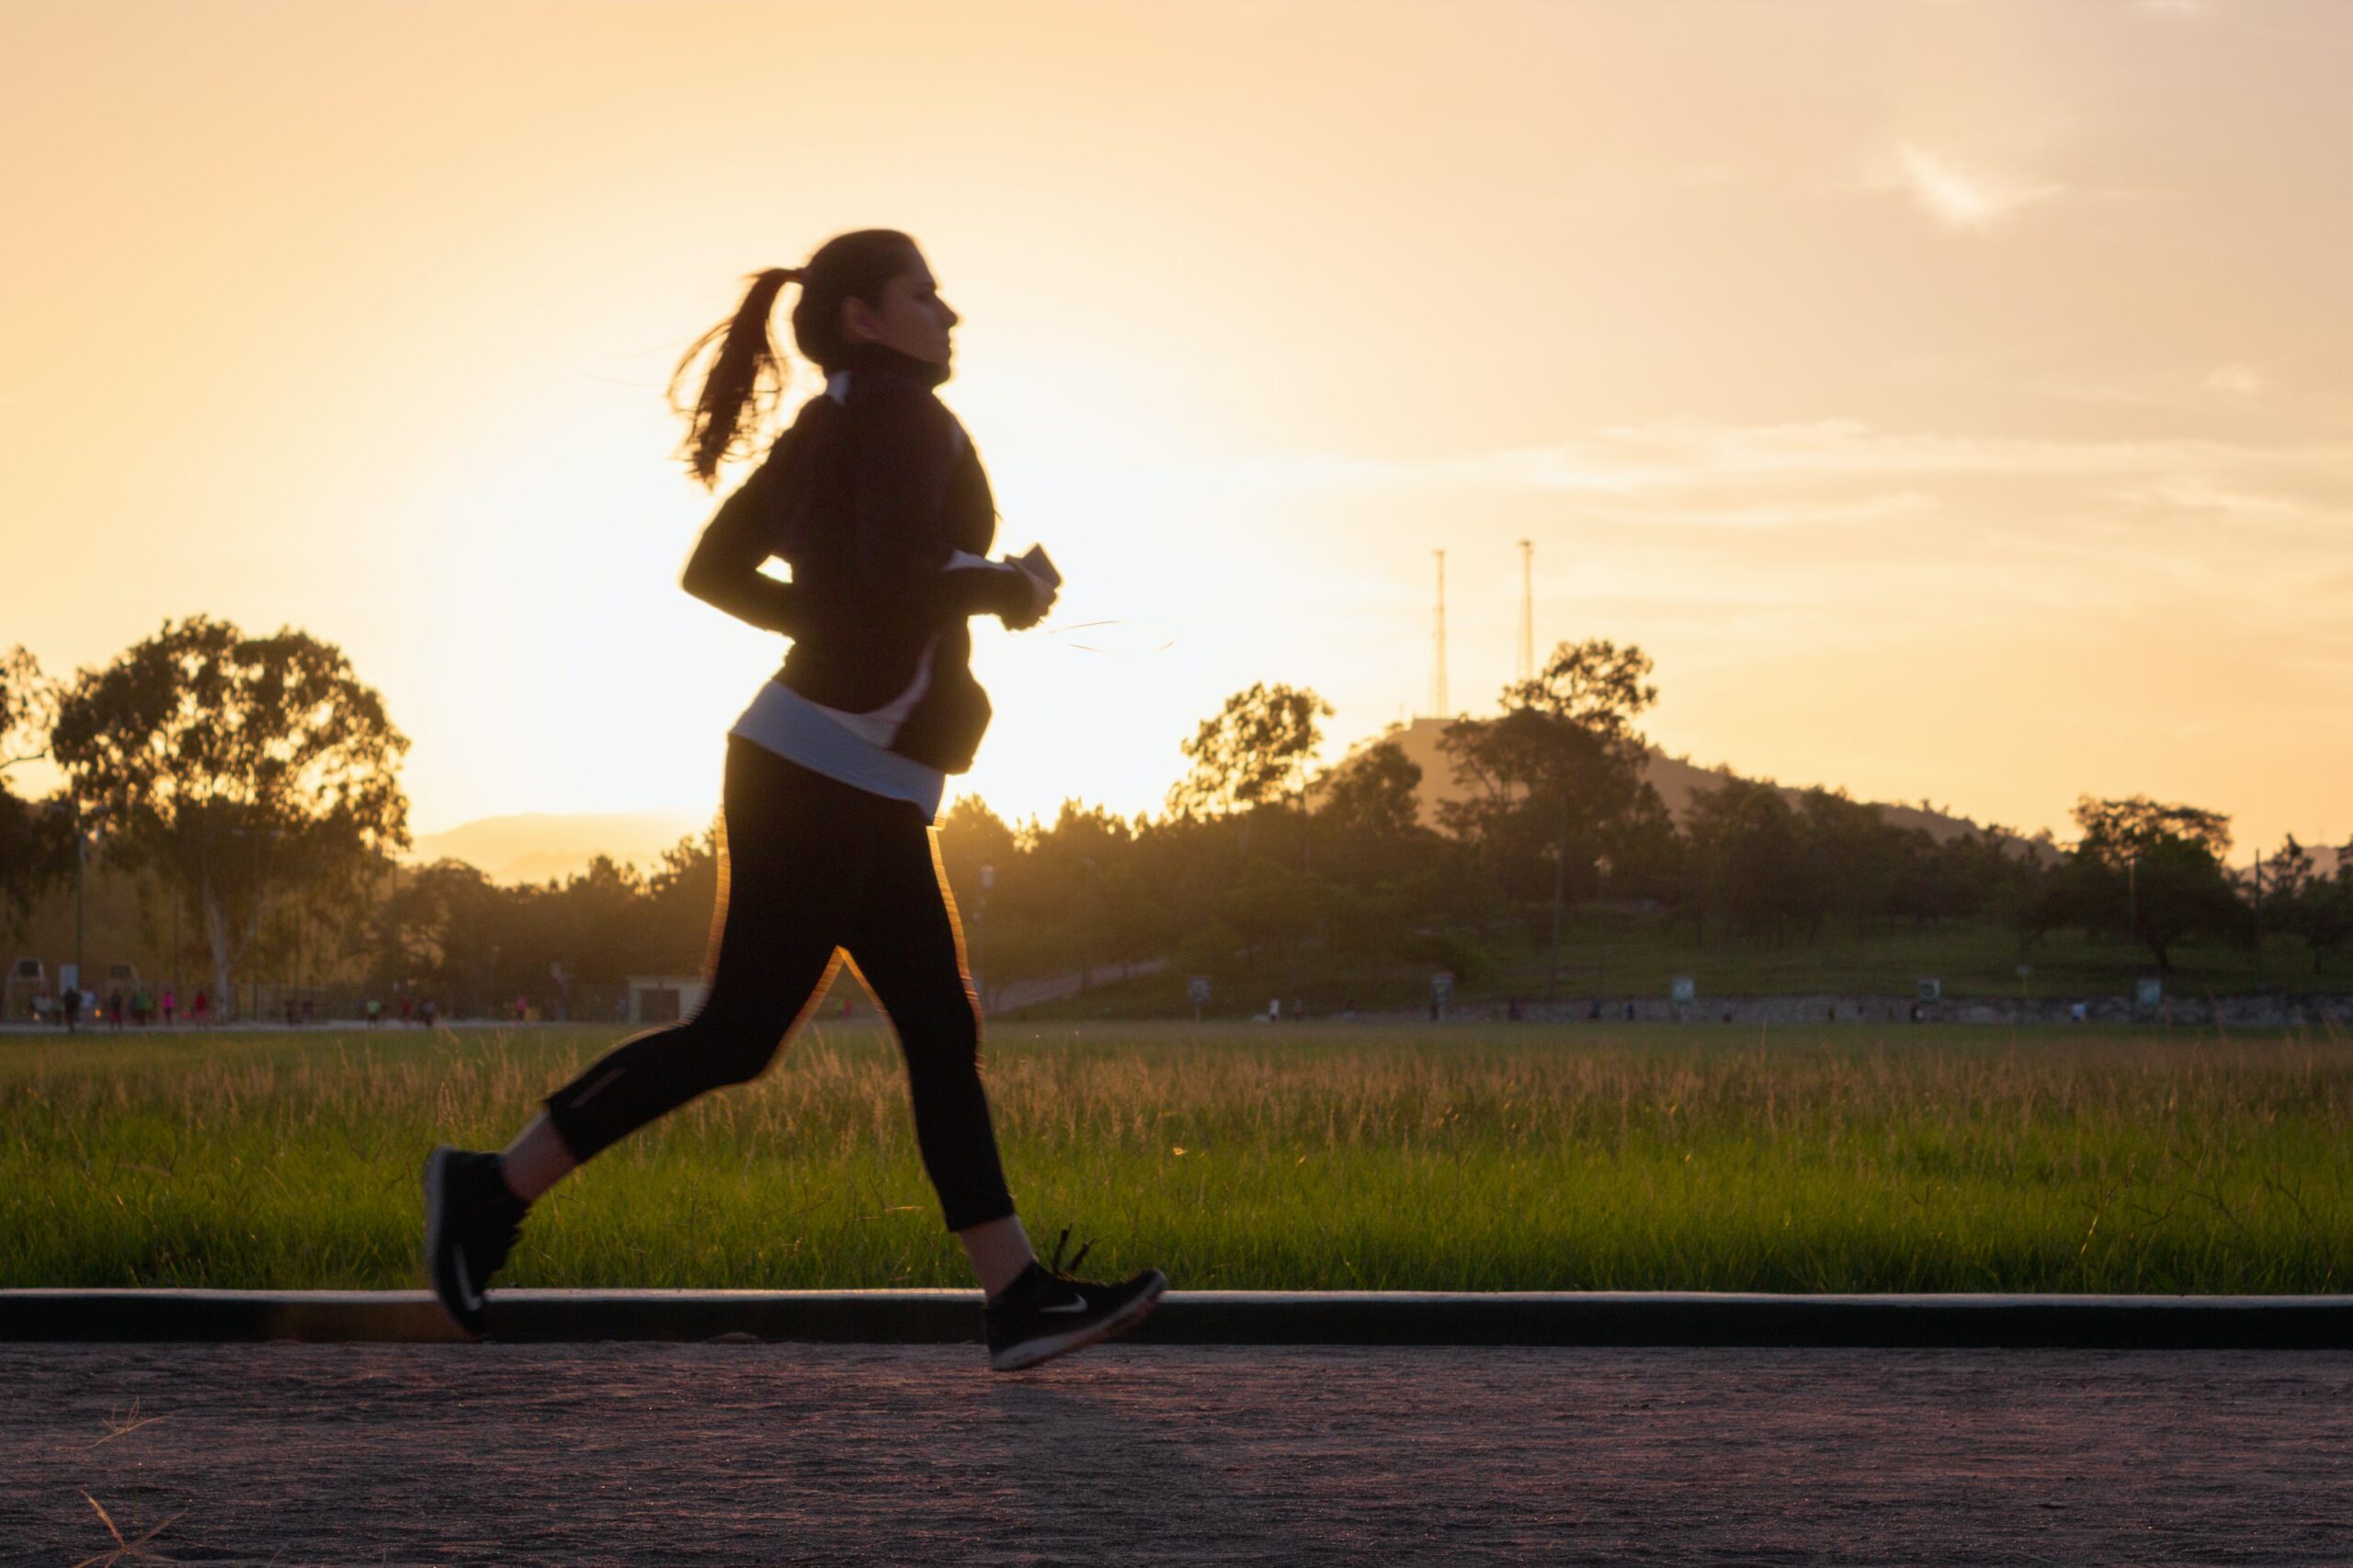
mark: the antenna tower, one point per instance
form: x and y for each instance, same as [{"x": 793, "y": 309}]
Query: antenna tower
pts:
[
  {"x": 1437, "y": 640},
  {"x": 1527, "y": 610}
]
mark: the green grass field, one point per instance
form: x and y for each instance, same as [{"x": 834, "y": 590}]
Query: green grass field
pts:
[{"x": 1306, "y": 1157}]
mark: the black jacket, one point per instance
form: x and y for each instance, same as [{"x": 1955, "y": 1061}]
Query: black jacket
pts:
[{"x": 866, "y": 499}]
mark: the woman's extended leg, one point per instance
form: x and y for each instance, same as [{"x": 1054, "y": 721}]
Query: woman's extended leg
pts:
[
  {"x": 904, "y": 941},
  {"x": 903, "y": 937}
]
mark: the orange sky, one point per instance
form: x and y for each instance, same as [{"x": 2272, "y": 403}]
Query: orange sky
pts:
[{"x": 1954, "y": 398}]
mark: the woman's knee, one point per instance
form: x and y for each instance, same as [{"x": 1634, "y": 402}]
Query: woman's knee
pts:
[{"x": 732, "y": 1046}]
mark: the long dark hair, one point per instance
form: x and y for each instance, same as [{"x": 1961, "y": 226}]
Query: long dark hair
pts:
[{"x": 746, "y": 373}]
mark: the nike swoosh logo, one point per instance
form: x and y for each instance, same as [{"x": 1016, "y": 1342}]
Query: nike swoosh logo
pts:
[
  {"x": 1077, "y": 1306},
  {"x": 465, "y": 1286}
]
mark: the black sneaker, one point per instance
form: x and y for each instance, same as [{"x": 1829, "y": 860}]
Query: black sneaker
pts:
[
  {"x": 1045, "y": 1313},
  {"x": 471, "y": 1219}
]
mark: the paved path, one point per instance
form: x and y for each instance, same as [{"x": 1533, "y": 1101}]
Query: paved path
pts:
[{"x": 793, "y": 1453}]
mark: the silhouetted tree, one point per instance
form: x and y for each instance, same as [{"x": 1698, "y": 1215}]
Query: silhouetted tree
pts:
[
  {"x": 1595, "y": 684},
  {"x": 219, "y": 761},
  {"x": 1373, "y": 793},
  {"x": 36, "y": 836},
  {"x": 2150, "y": 870},
  {"x": 1747, "y": 865},
  {"x": 1554, "y": 782},
  {"x": 1254, "y": 751}
]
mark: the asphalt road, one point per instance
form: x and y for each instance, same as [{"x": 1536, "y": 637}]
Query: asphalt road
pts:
[{"x": 752, "y": 1453}]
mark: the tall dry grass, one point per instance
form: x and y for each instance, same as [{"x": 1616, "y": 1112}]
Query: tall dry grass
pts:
[{"x": 1456, "y": 1158}]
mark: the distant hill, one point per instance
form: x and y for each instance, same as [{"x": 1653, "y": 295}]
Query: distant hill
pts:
[
  {"x": 536, "y": 845},
  {"x": 1676, "y": 780}
]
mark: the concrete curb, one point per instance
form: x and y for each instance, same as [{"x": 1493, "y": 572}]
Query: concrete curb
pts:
[{"x": 1215, "y": 1317}]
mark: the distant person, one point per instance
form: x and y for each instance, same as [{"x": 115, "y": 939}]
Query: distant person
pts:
[
  {"x": 375, "y": 1012},
  {"x": 877, "y": 501},
  {"x": 428, "y": 1011},
  {"x": 171, "y": 1004},
  {"x": 200, "y": 1011},
  {"x": 114, "y": 1009},
  {"x": 408, "y": 1008},
  {"x": 72, "y": 1008},
  {"x": 1630, "y": 1010},
  {"x": 1593, "y": 1014}
]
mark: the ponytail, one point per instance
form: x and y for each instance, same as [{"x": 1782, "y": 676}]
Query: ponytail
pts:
[{"x": 746, "y": 373}]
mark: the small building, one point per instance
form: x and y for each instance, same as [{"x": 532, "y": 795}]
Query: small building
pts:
[{"x": 664, "y": 998}]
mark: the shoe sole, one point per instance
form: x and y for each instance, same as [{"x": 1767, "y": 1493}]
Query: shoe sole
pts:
[
  {"x": 436, "y": 1164},
  {"x": 1031, "y": 1352}
]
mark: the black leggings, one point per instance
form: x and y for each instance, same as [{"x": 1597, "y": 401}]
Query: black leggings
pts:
[{"x": 812, "y": 866}]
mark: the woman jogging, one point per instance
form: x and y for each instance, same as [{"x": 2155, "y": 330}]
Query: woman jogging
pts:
[{"x": 877, "y": 501}]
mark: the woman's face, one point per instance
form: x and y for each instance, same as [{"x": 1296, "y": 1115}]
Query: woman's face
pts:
[{"x": 913, "y": 319}]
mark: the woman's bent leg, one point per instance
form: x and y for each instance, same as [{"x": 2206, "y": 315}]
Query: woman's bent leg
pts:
[
  {"x": 904, "y": 941},
  {"x": 787, "y": 878}
]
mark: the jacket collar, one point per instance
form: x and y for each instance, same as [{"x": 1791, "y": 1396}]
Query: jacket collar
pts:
[{"x": 884, "y": 358}]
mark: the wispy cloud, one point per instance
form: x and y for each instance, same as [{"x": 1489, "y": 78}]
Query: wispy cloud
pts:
[
  {"x": 1828, "y": 471},
  {"x": 1956, "y": 196}
]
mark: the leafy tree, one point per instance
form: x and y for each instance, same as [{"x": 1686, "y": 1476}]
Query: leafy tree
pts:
[
  {"x": 1747, "y": 859},
  {"x": 1594, "y": 684},
  {"x": 1854, "y": 862},
  {"x": 2150, "y": 870},
  {"x": 27, "y": 709},
  {"x": 1556, "y": 780},
  {"x": 219, "y": 761},
  {"x": 2317, "y": 908},
  {"x": 1272, "y": 908},
  {"x": 1373, "y": 793},
  {"x": 35, "y": 837},
  {"x": 970, "y": 836},
  {"x": 1253, "y": 751}
]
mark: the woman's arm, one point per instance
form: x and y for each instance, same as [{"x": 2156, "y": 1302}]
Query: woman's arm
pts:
[
  {"x": 905, "y": 448},
  {"x": 724, "y": 570}
]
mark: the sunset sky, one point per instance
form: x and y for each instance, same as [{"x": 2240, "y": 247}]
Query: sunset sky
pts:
[{"x": 1954, "y": 398}]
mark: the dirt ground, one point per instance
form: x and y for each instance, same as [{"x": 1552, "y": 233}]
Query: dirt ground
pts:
[{"x": 647, "y": 1453}]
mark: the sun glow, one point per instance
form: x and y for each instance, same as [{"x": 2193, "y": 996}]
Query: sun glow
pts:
[{"x": 1905, "y": 479}]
